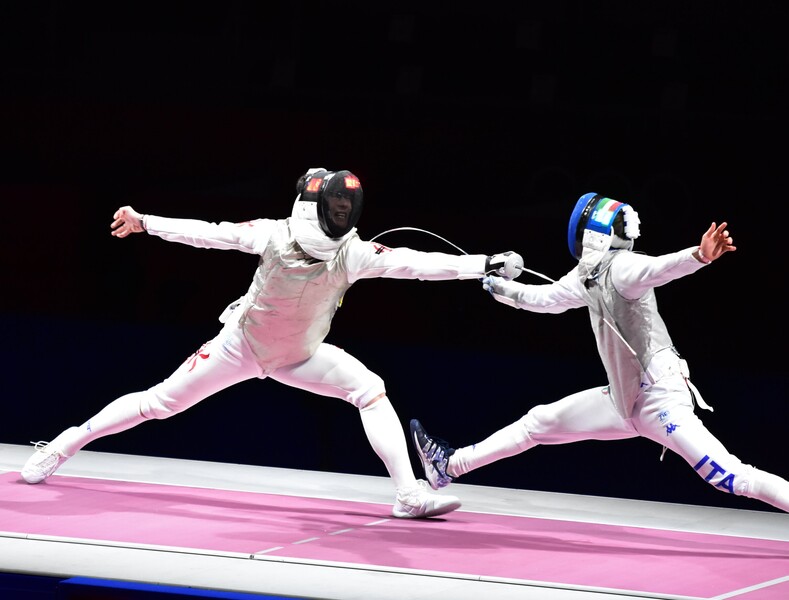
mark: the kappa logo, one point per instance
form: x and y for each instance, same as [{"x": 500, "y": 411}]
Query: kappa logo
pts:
[
  {"x": 664, "y": 417},
  {"x": 380, "y": 248},
  {"x": 727, "y": 480},
  {"x": 671, "y": 428}
]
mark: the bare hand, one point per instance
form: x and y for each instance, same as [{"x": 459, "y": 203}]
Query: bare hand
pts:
[
  {"x": 127, "y": 221},
  {"x": 715, "y": 242}
]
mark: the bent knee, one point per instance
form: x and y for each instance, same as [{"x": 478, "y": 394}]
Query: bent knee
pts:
[
  {"x": 370, "y": 389},
  {"x": 541, "y": 416}
]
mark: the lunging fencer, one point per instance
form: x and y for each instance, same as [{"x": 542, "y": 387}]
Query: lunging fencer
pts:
[
  {"x": 277, "y": 329},
  {"x": 649, "y": 392}
]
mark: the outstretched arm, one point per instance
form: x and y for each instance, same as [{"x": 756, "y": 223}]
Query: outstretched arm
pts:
[
  {"x": 367, "y": 260},
  {"x": 249, "y": 236},
  {"x": 715, "y": 242},
  {"x": 634, "y": 274},
  {"x": 127, "y": 221},
  {"x": 554, "y": 298}
]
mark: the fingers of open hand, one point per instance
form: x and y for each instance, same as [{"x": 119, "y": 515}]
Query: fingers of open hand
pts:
[
  {"x": 125, "y": 222},
  {"x": 726, "y": 243},
  {"x": 716, "y": 241},
  {"x": 721, "y": 230},
  {"x": 722, "y": 239},
  {"x": 123, "y": 228},
  {"x": 119, "y": 226}
]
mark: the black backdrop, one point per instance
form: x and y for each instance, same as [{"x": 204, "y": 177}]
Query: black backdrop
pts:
[{"x": 482, "y": 123}]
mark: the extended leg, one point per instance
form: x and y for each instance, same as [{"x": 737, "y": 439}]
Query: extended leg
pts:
[
  {"x": 674, "y": 424},
  {"x": 586, "y": 415},
  {"x": 335, "y": 373},
  {"x": 214, "y": 367}
]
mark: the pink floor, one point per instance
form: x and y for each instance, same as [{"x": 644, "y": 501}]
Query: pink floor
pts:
[{"x": 630, "y": 559}]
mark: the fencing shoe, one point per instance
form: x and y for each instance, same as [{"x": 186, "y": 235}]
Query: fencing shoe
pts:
[
  {"x": 419, "y": 502},
  {"x": 45, "y": 461},
  {"x": 434, "y": 454}
]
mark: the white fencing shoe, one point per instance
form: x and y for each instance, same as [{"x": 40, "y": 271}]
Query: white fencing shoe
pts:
[
  {"x": 45, "y": 461},
  {"x": 418, "y": 502}
]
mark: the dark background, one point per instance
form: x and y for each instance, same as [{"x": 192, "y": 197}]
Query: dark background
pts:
[{"x": 482, "y": 123}]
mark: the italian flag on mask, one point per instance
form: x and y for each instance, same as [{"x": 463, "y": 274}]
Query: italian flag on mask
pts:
[{"x": 602, "y": 216}]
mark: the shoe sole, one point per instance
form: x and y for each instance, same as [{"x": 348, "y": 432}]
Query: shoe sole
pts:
[{"x": 447, "y": 508}]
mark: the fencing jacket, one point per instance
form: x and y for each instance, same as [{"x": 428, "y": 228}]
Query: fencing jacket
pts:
[
  {"x": 287, "y": 310},
  {"x": 628, "y": 329}
]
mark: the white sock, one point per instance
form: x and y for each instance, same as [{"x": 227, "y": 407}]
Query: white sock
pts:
[
  {"x": 508, "y": 441},
  {"x": 386, "y": 436},
  {"x": 769, "y": 488},
  {"x": 119, "y": 415}
]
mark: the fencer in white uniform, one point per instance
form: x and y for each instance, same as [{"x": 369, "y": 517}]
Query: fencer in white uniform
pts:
[
  {"x": 277, "y": 329},
  {"x": 649, "y": 391}
]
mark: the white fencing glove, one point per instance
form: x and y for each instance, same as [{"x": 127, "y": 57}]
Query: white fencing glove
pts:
[
  {"x": 502, "y": 290},
  {"x": 488, "y": 283},
  {"x": 507, "y": 265}
]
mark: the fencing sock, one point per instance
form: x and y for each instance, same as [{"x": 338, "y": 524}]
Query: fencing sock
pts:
[
  {"x": 386, "y": 436},
  {"x": 508, "y": 441},
  {"x": 769, "y": 488},
  {"x": 117, "y": 416}
]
